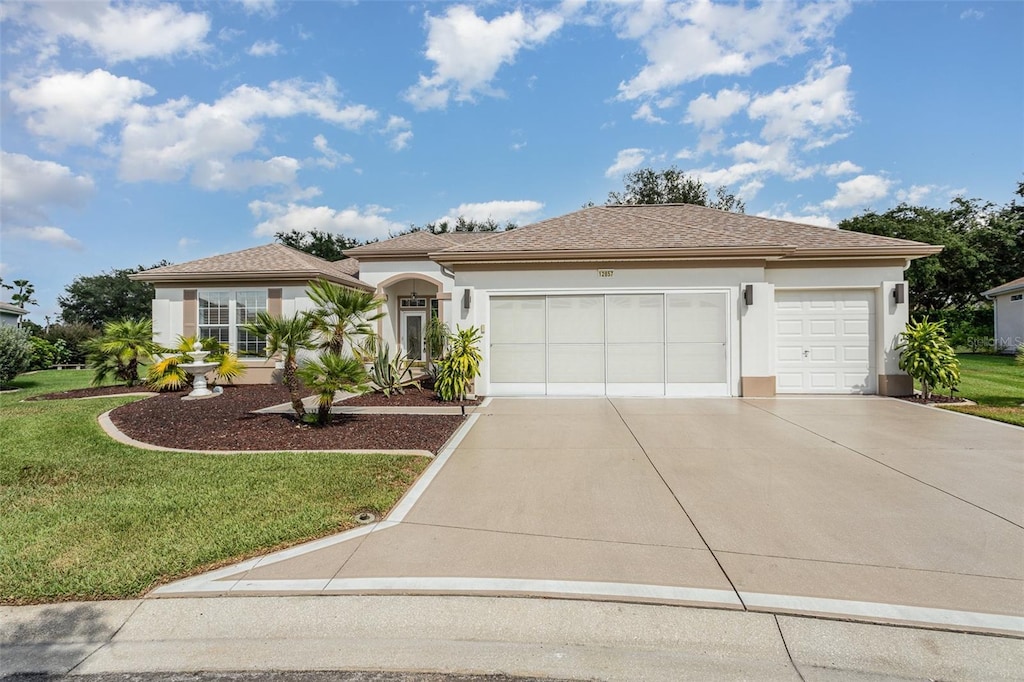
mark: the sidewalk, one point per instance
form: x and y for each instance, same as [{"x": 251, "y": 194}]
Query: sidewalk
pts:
[{"x": 515, "y": 636}]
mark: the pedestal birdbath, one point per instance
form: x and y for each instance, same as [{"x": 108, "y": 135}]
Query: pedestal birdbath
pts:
[{"x": 198, "y": 369}]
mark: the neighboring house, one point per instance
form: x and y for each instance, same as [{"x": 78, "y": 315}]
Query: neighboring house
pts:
[
  {"x": 1009, "y": 311},
  {"x": 10, "y": 314},
  {"x": 674, "y": 300}
]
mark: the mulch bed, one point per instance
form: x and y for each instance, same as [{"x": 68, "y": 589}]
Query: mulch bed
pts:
[
  {"x": 227, "y": 422},
  {"x": 90, "y": 392},
  {"x": 936, "y": 399},
  {"x": 412, "y": 397}
]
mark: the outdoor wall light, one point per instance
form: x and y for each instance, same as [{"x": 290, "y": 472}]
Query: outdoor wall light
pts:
[
  {"x": 748, "y": 294},
  {"x": 899, "y": 293},
  {"x": 466, "y": 299}
]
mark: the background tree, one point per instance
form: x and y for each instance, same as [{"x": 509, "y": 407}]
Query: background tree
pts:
[
  {"x": 318, "y": 243},
  {"x": 463, "y": 224},
  {"x": 984, "y": 247},
  {"x": 98, "y": 299},
  {"x": 23, "y": 296},
  {"x": 672, "y": 186}
]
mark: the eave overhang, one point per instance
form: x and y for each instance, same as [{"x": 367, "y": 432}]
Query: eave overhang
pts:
[{"x": 296, "y": 276}]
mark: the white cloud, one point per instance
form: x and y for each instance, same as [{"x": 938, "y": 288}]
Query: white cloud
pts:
[
  {"x": 73, "y": 107},
  {"x": 972, "y": 13},
  {"x": 29, "y": 189},
  {"x": 121, "y": 32},
  {"x": 5, "y": 270},
  {"x": 265, "y": 48},
  {"x": 54, "y": 236},
  {"x": 626, "y": 160},
  {"x": 809, "y": 219},
  {"x": 168, "y": 141},
  {"x": 750, "y": 189},
  {"x": 400, "y": 131},
  {"x": 498, "y": 211},
  {"x": 819, "y": 103},
  {"x": 330, "y": 158},
  {"x": 217, "y": 174},
  {"x": 467, "y": 51},
  {"x": 684, "y": 42},
  {"x": 916, "y": 194},
  {"x": 267, "y": 7},
  {"x": 645, "y": 113},
  {"x": 29, "y": 184},
  {"x": 842, "y": 168},
  {"x": 708, "y": 112},
  {"x": 186, "y": 242},
  {"x": 859, "y": 192},
  {"x": 368, "y": 222}
]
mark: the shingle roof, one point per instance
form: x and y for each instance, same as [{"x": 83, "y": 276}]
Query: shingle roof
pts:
[
  {"x": 1015, "y": 285},
  {"x": 270, "y": 261},
  {"x": 676, "y": 227},
  {"x": 415, "y": 243}
]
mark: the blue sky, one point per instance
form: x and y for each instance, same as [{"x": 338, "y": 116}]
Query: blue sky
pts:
[{"x": 133, "y": 132}]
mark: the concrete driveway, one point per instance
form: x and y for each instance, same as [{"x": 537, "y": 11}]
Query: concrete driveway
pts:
[{"x": 861, "y": 508}]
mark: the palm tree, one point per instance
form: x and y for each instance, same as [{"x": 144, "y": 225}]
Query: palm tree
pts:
[
  {"x": 342, "y": 315},
  {"x": 331, "y": 373},
  {"x": 287, "y": 336},
  {"x": 118, "y": 352}
]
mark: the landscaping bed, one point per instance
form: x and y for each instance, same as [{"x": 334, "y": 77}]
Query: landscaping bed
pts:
[
  {"x": 90, "y": 392},
  {"x": 227, "y": 422},
  {"x": 936, "y": 399}
]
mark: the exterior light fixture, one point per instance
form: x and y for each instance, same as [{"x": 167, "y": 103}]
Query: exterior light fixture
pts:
[
  {"x": 467, "y": 298},
  {"x": 748, "y": 294},
  {"x": 899, "y": 293}
]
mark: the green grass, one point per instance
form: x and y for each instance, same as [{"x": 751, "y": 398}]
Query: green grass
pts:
[
  {"x": 85, "y": 517},
  {"x": 996, "y": 383}
]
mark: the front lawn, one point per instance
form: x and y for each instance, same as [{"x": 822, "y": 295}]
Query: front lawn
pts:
[
  {"x": 85, "y": 517},
  {"x": 996, "y": 383}
]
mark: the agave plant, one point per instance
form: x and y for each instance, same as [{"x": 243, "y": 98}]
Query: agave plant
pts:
[
  {"x": 287, "y": 336},
  {"x": 342, "y": 315},
  {"x": 392, "y": 375},
  {"x": 167, "y": 375},
  {"x": 119, "y": 351},
  {"x": 456, "y": 372},
  {"x": 329, "y": 374}
]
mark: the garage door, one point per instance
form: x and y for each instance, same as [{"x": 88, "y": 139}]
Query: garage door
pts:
[
  {"x": 824, "y": 341},
  {"x": 610, "y": 344}
]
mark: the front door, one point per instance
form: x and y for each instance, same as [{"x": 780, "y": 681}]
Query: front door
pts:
[{"x": 413, "y": 334}]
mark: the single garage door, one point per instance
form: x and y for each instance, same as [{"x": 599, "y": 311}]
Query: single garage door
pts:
[
  {"x": 824, "y": 341},
  {"x": 610, "y": 344}
]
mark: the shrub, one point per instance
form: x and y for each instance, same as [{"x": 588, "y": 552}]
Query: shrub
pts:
[
  {"x": 392, "y": 375},
  {"x": 74, "y": 337},
  {"x": 327, "y": 375},
  {"x": 926, "y": 355},
  {"x": 15, "y": 352},
  {"x": 456, "y": 372},
  {"x": 119, "y": 351}
]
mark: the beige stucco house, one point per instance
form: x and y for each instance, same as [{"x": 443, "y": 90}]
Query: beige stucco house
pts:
[
  {"x": 673, "y": 300},
  {"x": 1008, "y": 303}
]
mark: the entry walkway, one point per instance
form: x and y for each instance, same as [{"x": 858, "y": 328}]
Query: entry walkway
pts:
[{"x": 863, "y": 508}]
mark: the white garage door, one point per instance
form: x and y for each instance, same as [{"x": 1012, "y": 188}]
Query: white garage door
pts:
[
  {"x": 824, "y": 341},
  {"x": 610, "y": 344}
]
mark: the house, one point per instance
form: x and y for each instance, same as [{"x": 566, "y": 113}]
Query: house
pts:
[
  {"x": 11, "y": 314},
  {"x": 673, "y": 300},
  {"x": 215, "y": 296},
  {"x": 1009, "y": 313}
]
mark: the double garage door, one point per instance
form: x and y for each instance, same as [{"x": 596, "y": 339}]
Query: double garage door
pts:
[{"x": 610, "y": 344}]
